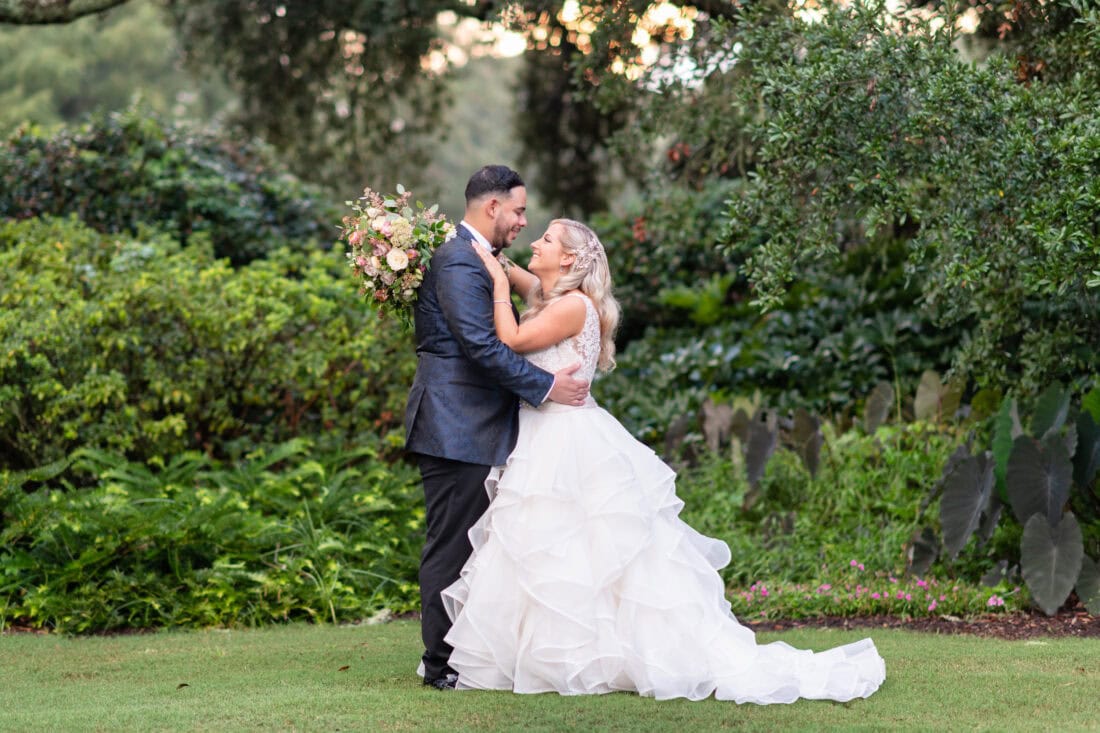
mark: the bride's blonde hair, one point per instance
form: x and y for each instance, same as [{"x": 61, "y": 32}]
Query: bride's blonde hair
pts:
[{"x": 589, "y": 274}]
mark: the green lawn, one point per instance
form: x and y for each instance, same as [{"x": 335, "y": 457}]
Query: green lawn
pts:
[{"x": 362, "y": 678}]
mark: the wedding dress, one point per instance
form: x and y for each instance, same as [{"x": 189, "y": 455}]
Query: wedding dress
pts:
[{"x": 583, "y": 579}]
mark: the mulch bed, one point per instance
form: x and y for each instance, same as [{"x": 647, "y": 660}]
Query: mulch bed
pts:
[{"x": 1069, "y": 621}]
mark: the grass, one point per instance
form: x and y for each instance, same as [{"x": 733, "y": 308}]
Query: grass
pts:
[{"x": 362, "y": 678}]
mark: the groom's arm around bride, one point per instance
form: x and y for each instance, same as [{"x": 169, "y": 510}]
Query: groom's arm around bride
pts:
[{"x": 462, "y": 415}]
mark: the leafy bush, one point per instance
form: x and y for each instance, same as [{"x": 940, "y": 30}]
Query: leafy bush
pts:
[
  {"x": 281, "y": 535},
  {"x": 139, "y": 347},
  {"x": 833, "y": 339},
  {"x": 126, "y": 169},
  {"x": 865, "y": 503},
  {"x": 871, "y": 125},
  {"x": 667, "y": 244},
  {"x": 1046, "y": 474}
]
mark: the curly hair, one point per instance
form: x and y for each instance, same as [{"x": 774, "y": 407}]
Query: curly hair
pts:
[{"x": 589, "y": 274}]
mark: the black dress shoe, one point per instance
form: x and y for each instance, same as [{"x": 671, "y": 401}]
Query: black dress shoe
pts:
[{"x": 446, "y": 682}]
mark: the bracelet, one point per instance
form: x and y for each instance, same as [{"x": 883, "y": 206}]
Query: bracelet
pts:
[{"x": 503, "y": 301}]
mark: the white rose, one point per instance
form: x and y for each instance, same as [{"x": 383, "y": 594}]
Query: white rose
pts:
[{"x": 397, "y": 259}]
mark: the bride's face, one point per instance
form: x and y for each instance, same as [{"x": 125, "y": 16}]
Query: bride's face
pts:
[{"x": 547, "y": 253}]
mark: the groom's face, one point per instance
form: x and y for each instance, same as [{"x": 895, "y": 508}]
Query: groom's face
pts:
[{"x": 511, "y": 217}]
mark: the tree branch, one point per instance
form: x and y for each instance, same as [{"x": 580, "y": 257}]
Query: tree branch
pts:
[{"x": 44, "y": 12}]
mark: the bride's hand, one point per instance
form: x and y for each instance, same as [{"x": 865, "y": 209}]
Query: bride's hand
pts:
[{"x": 496, "y": 271}]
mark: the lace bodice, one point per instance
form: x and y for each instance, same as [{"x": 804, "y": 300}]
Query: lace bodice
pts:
[{"x": 585, "y": 346}]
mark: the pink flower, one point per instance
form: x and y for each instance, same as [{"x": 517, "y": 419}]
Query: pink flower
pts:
[
  {"x": 824, "y": 587},
  {"x": 995, "y": 601},
  {"x": 355, "y": 238},
  {"x": 932, "y": 606},
  {"x": 853, "y": 563},
  {"x": 893, "y": 579},
  {"x": 876, "y": 595},
  {"x": 922, "y": 584}
]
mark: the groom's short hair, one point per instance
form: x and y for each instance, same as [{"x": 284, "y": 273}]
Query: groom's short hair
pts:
[{"x": 491, "y": 179}]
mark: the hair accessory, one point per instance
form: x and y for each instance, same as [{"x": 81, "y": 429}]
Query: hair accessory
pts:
[{"x": 586, "y": 254}]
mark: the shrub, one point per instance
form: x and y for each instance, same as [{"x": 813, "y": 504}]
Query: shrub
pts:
[
  {"x": 865, "y": 502},
  {"x": 125, "y": 169},
  {"x": 834, "y": 337},
  {"x": 284, "y": 534},
  {"x": 136, "y": 346},
  {"x": 667, "y": 244},
  {"x": 1043, "y": 480},
  {"x": 871, "y": 125}
]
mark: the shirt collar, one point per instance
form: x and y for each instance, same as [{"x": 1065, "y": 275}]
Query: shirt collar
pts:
[{"x": 477, "y": 235}]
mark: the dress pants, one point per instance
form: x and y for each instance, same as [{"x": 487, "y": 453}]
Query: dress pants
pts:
[{"x": 454, "y": 499}]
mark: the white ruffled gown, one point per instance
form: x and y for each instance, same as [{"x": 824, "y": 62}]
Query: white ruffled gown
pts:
[{"x": 583, "y": 579}]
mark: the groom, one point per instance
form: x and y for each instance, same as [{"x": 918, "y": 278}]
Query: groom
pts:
[{"x": 462, "y": 416}]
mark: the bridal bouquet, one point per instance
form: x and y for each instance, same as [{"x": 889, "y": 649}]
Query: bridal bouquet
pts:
[{"x": 390, "y": 246}]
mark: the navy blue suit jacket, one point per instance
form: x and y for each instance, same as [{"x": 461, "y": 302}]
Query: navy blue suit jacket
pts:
[{"x": 463, "y": 403}]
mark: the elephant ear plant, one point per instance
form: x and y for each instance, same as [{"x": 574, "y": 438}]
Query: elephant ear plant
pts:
[{"x": 1045, "y": 474}]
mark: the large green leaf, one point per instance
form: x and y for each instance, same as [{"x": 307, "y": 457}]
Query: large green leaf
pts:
[
  {"x": 807, "y": 438},
  {"x": 1050, "y": 411},
  {"x": 965, "y": 496},
  {"x": 922, "y": 551},
  {"x": 1003, "y": 435},
  {"x": 1091, "y": 403},
  {"x": 937, "y": 400},
  {"x": 990, "y": 517},
  {"x": 1038, "y": 478},
  {"x": 926, "y": 406},
  {"x": 763, "y": 434},
  {"x": 984, "y": 403},
  {"x": 1086, "y": 460},
  {"x": 717, "y": 419},
  {"x": 739, "y": 425},
  {"x": 878, "y": 406},
  {"x": 1050, "y": 559},
  {"x": 1088, "y": 585}
]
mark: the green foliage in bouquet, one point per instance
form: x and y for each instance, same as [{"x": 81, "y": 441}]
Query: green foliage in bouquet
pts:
[
  {"x": 137, "y": 346},
  {"x": 285, "y": 533},
  {"x": 127, "y": 169}
]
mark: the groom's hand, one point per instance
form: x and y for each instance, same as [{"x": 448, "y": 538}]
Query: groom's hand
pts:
[{"x": 567, "y": 390}]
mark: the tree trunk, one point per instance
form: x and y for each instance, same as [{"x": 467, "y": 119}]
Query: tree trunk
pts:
[{"x": 42, "y": 12}]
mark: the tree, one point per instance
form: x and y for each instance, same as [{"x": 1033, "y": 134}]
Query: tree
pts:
[
  {"x": 63, "y": 73},
  {"x": 38, "y": 12},
  {"x": 871, "y": 128}
]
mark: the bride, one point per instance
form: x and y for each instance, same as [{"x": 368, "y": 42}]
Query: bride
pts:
[{"x": 583, "y": 578}]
